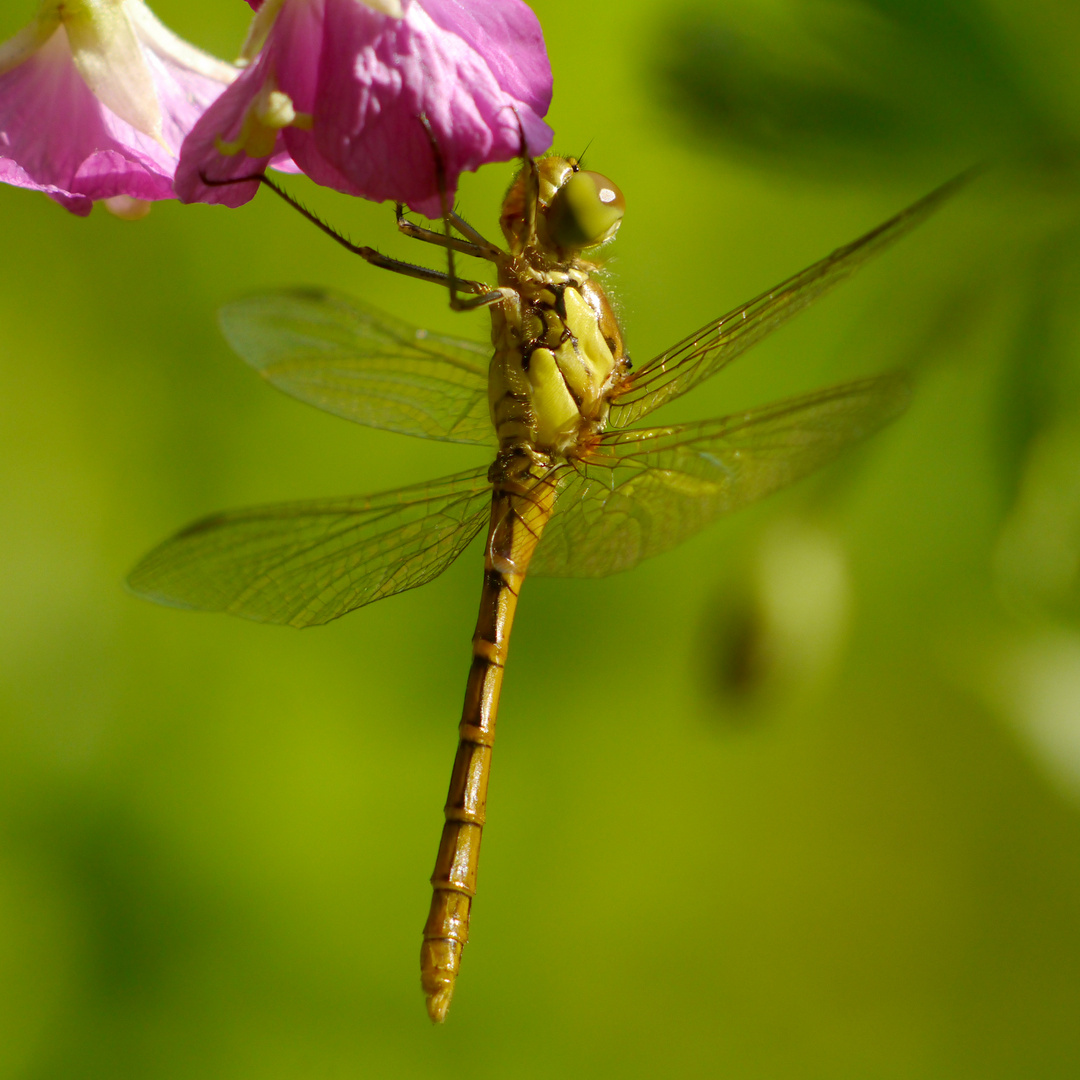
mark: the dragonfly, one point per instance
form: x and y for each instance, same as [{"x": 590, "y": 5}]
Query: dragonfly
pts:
[{"x": 575, "y": 487}]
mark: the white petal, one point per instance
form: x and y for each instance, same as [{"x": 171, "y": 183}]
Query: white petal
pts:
[
  {"x": 109, "y": 58},
  {"x": 260, "y": 30},
  {"x": 393, "y": 8},
  {"x": 161, "y": 40}
]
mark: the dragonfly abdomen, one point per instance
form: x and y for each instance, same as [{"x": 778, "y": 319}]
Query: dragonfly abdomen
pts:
[
  {"x": 454, "y": 878},
  {"x": 520, "y": 508}
]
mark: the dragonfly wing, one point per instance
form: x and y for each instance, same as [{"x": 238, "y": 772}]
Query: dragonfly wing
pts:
[
  {"x": 351, "y": 360},
  {"x": 716, "y": 344},
  {"x": 305, "y": 563},
  {"x": 644, "y": 491}
]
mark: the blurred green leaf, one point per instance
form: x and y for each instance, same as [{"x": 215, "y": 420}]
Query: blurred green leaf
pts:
[{"x": 858, "y": 85}]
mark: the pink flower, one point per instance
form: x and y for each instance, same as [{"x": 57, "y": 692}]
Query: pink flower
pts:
[
  {"x": 96, "y": 97},
  {"x": 344, "y": 87}
]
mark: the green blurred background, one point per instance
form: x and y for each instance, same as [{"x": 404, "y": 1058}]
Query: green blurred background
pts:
[{"x": 798, "y": 799}]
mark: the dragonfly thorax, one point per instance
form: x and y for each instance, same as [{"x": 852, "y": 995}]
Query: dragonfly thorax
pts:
[
  {"x": 558, "y": 354},
  {"x": 558, "y": 347}
]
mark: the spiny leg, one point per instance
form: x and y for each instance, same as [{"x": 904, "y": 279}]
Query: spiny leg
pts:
[
  {"x": 493, "y": 296},
  {"x": 474, "y": 244},
  {"x": 466, "y": 230},
  {"x": 369, "y": 254},
  {"x": 430, "y": 236}
]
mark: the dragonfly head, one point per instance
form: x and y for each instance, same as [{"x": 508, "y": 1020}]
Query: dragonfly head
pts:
[{"x": 576, "y": 209}]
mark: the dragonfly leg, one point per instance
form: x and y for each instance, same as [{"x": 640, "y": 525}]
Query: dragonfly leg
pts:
[
  {"x": 430, "y": 236},
  {"x": 369, "y": 254},
  {"x": 471, "y": 303},
  {"x": 454, "y": 283},
  {"x": 466, "y": 230},
  {"x": 474, "y": 244}
]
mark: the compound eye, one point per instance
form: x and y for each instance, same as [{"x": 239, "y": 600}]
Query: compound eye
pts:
[
  {"x": 608, "y": 194},
  {"x": 585, "y": 211}
]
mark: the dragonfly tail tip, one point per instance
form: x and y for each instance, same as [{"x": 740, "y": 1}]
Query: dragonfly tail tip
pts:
[{"x": 438, "y": 1004}]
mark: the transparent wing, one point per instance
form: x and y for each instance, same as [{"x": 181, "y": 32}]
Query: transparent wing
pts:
[
  {"x": 306, "y": 563},
  {"x": 715, "y": 345},
  {"x": 645, "y": 490},
  {"x": 342, "y": 356}
]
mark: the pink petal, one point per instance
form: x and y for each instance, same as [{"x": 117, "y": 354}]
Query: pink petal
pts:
[
  {"x": 291, "y": 58},
  {"x": 380, "y": 75},
  {"x": 509, "y": 38},
  {"x": 222, "y": 123},
  {"x": 11, "y": 173},
  {"x": 56, "y": 137},
  {"x": 187, "y": 81},
  {"x": 297, "y": 44},
  {"x": 376, "y": 92}
]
